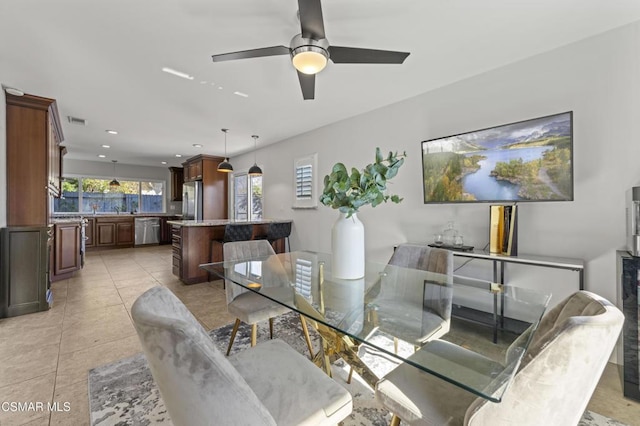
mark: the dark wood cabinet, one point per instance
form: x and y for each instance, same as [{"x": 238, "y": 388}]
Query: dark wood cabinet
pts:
[
  {"x": 177, "y": 180},
  {"x": 24, "y": 270},
  {"x": 34, "y": 134},
  {"x": 125, "y": 234},
  {"x": 214, "y": 184},
  {"x": 67, "y": 249},
  {"x": 112, "y": 232},
  {"x": 106, "y": 234},
  {"x": 89, "y": 233},
  {"x": 193, "y": 168},
  {"x": 176, "y": 248},
  {"x": 166, "y": 228}
]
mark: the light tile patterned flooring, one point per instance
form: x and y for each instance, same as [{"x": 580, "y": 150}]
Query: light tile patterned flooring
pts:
[{"x": 45, "y": 357}]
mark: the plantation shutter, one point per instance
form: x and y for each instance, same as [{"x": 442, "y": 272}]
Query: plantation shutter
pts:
[
  {"x": 305, "y": 192},
  {"x": 303, "y": 278},
  {"x": 304, "y": 179}
]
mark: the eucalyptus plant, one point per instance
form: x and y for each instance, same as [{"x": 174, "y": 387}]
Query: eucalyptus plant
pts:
[{"x": 348, "y": 192}]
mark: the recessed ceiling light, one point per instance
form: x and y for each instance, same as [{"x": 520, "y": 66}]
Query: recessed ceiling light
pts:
[
  {"x": 203, "y": 82},
  {"x": 177, "y": 73},
  {"x": 219, "y": 87},
  {"x": 212, "y": 83},
  {"x": 163, "y": 162},
  {"x": 197, "y": 145},
  {"x": 244, "y": 95},
  {"x": 102, "y": 156},
  {"x": 106, "y": 146},
  {"x": 178, "y": 155},
  {"x": 112, "y": 132}
]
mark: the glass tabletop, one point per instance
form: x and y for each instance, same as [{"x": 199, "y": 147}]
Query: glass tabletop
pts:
[{"x": 404, "y": 315}]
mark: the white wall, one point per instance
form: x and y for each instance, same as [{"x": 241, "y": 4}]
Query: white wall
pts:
[
  {"x": 102, "y": 169},
  {"x": 597, "y": 78}
]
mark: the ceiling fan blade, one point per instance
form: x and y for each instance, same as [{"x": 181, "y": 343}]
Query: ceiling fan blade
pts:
[
  {"x": 253, "y": 53},
  {"x": 308, "y": 85},
  {"x": 311, "y": 21},
  {"x": 355, "y": 55}
]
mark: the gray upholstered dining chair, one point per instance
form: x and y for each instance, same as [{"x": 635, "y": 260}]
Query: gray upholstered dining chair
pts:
[
  {"x": 427, "y": 304},
  {"x": 436, "y": 297},
  {"x": 552, "y": 386},
  {"x": 407, "y": 303},
  {"x": 249, "y": 307},
  {"x": 270, "y": 384}
]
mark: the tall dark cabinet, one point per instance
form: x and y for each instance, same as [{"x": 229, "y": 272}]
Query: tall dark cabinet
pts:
[
  {"x": 34, "y": 173},
  {"x": 24, "y": 280},
  {"x": 628, "y": 289}
]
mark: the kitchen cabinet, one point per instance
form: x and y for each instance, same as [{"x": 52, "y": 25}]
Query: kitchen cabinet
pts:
[
  {"x": 191, "y": 247},
  {"x": 125, "y": 233},
  {"x": 166, "y": 229},
  {"x": 111, "y": 232},
  {"x": 176, "y": 249},
  {"x": 66, "y": 254},
  {"x": 214, "y": 184},
  {"x": 24, "y": 269},
  {"x": 34, "y": 134},
  {"x": 90, "y": 232},
  {"x": 177, "y": 180},
  {"x": 193, "y": 168}
]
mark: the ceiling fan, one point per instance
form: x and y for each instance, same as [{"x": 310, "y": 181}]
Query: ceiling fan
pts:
[{"x": 310, "y": 50}]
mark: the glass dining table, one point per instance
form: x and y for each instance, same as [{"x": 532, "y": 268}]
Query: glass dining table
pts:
[{"x": 400, "y": 315}]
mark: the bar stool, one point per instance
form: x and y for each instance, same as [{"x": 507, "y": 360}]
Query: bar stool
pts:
[
  {"x": 232, "y": 232},
  {"x": 277, "y": 231}
]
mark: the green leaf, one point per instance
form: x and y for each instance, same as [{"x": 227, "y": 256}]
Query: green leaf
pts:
[{"x": 348, "y": 192}]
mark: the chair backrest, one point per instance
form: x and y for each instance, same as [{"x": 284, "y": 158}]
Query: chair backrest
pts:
[
  {"x": 423, "y": 257},
  {"x": 238, "y": 232},
  {"x": 277, "y": 230},
  {"x": 271, "y": 272},
  {"x": 561, "y": 368},
  {"x": 197, "y": 382},
  {"x": 436, "y": 296}
]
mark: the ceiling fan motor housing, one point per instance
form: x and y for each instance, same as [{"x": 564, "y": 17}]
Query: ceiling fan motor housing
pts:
[{"x": 300, "y": 45}]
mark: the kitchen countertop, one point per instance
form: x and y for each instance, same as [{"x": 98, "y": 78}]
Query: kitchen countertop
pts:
[
  {"x": 55, "y": 220},
  {"x": 77, "y": 216},
  {"x": 222, "y": 222}
]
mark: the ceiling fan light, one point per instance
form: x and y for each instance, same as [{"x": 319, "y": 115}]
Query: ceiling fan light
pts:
[
  {"x": 255, "y": 170},
  {"x": 309, "y": 59},
  {"x": 225, "y": 166}
]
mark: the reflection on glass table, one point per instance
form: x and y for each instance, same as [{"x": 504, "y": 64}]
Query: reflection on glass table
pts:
[{"x": 390, "y": 303}]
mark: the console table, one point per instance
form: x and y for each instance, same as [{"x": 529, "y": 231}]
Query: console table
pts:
[{"x": 499, "y": 261}]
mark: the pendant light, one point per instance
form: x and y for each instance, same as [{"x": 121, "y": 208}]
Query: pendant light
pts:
[
  {"x": 225, "y": 166},
  {"x": 255, "y": 170},
  {"x": 114, "y": 184}
]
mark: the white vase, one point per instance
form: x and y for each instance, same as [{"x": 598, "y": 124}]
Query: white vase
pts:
[{"x": 347, "y": 248}]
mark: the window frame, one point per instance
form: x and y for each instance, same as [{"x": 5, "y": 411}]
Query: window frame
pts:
[
  {"x": 128, "y": 179},
  {"x": 232, "y": 196}
]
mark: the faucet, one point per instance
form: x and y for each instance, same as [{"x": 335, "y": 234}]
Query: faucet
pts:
[{"x": 117, "y": 209}]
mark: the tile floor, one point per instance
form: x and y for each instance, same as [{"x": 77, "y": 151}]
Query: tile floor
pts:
[{"x": 45, "y": 357}]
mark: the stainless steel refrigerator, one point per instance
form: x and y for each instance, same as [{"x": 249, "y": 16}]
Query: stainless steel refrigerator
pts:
[{"x": 192, "y": 200}]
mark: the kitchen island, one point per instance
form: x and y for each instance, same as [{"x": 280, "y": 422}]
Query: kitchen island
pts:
[{"x": 191, "y": 243}]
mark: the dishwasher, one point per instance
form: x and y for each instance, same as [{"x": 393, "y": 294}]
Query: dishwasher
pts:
[{"x": 147, "y": 230}]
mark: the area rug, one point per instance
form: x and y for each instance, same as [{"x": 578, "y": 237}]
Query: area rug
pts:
[{"x": 124, "y": 393}]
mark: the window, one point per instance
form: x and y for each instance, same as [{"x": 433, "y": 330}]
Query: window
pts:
[
  {"x": 305, "y": 186},
  {"x": 97, "y": 197},
  {"x": 247, "y": 197}
]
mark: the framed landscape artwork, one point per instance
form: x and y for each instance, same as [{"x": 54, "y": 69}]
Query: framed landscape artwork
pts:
[{"x": 529, "y": 160}]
